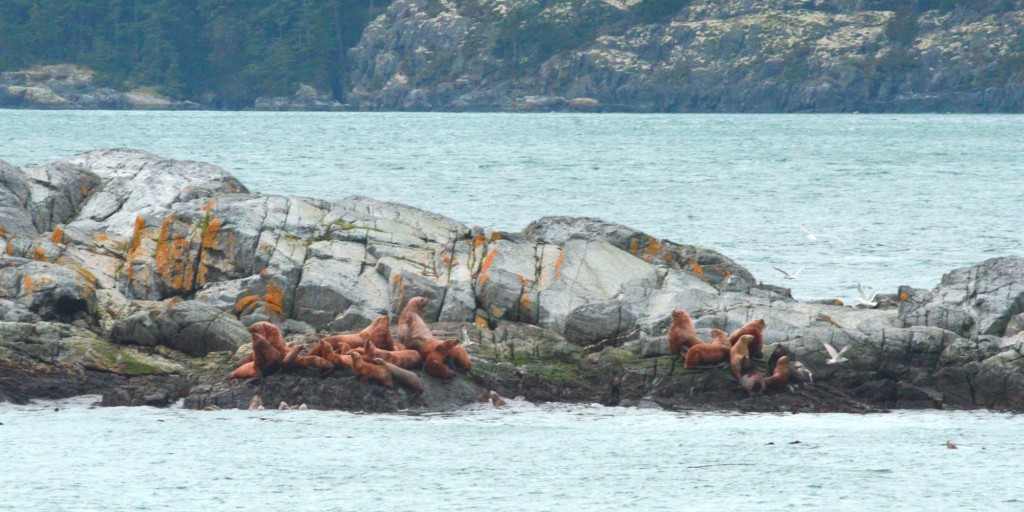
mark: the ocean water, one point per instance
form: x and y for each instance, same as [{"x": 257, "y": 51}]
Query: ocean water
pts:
[
  {"x": 525, "y": 457},
  {"x": 897, "y": 199}
]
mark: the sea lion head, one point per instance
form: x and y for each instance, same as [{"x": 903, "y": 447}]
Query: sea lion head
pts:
[{"x": 799, "y": 372}]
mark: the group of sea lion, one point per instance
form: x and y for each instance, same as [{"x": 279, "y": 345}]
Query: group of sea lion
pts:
[
  {"x": 372, "y": 354},
  {"x": 738, "y": 348}
]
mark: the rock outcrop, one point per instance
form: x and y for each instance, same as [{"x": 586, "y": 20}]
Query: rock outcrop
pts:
[
  {"x": 67, "y": 86},
  {"x": 153, "y": 268}
]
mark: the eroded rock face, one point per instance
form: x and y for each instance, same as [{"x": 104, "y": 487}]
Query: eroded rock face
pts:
[
  {"x": 176, "y": 258},
  {"x": 980, "y": 300}
]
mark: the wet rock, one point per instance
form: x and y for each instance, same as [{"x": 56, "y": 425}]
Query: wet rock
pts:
[{"x": 50, "y": 291}]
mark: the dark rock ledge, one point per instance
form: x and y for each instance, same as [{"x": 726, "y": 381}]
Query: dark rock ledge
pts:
[{"x": 134, "y": 276}]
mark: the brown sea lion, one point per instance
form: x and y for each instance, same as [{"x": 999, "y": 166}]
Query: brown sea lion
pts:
[
  {"x": 778, "y": 351},
  {"x": 750, "y": 379},
  {"x": 706, "y": 354},
  {"x": 780, "y": 377},
  {"x": 407, "y": 359},
  {"x": 720, "y": 338},
  {"x": 373, "y": 331},
  {"x": 459, "y": 356},
  {"x": 271, "y": 333},
  {"x": 403, "y": 377},
  {"x": 266, "y": 359},
  {"x": 245, "y": 371},
  {"x": 411, "y": 328},
  {"x": 682, "y": 333},
  {"x": 738, "y": 351},
  {"x": 753, "y": 328},
  {"x": 368, "y": 371},
  {"x": 496, "y": 400},
  {"x": 434, "y": 359}
]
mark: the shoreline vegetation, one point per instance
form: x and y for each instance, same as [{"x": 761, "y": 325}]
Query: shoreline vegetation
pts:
[
  {"x": 754, "y": 56},
  {"x": 140, "y": 278}
]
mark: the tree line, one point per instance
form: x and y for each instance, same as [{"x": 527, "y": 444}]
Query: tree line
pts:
[{"x": 221, "y": 52}]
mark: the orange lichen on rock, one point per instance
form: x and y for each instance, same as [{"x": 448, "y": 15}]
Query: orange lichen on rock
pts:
[
  {"x": 634, "y": 247},
  {"x": 488, "y": 260},
  {"x": 654, "y": 247},
  {"x": 210, "y": 234},
  {"x": 481, "y": 321},
  {"x": 495, "y": 236},
  {"x": 39, "y": 254},
  {"x": 244, "y": 303},
  {"x": 478, "y": 241},
  {"x": 28, "y": 285},
  {"x": 558, "y": 264},
  {"x": 904, "y": 296},
  {"x": 525, "y": 299},
  {"x": 484, "y": 278},
  {"x": 697, "y": 268},
  {"x": 58, "y": 235},
  {"x": 173, "y": 261},
  {"x": 208, "y": 207},
  {"x": 274, "y": 299}
]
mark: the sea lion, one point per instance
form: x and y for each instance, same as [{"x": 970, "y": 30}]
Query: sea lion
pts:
[
  {"x": 799, "y": 373},
  {"x": 271, "y": 333},
  {"x": 403, "y": 377},
  {"x": 255, "y": 403},
  {"x": 459, "y": 356},
  {"x": 374, "y": 331},
  {"x": 682, "y": 333},
  {"x": 411, "y": 328},
  {"x": 245, "y": 371},
  {"x": 753, "y": 328},
  {"x": 316, "y": 362},
  {"x": 750, "y": 379},
  {"x": 738, "y": 351},
  {"x": 266, "y": 359},
  {"x": 778, "y": 351},
  {"x": 496, "y": 400},
  {"x": 706, "y": 354},
  {"x": 720, "y": 338},
  {"x": 407, "y": 359},
  {"x": 368, "y": 371},
  {"x": 780, "y": 377},
  {"x": 434, "y": 359}
]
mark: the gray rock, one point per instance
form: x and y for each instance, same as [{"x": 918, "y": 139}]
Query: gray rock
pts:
[
  {"x": 974, "y": 301},
  {"x": 50, "y": 291},
  {"x": 192, "y": 327}
]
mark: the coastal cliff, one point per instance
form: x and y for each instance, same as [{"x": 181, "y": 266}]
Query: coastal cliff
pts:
[
  {"x": 529, "y": 55},
  {"x": 135, "y": 276}
]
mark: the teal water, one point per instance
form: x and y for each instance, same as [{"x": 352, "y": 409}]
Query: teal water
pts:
[
  {"x": 901, "y": 199},
  {"x": 527, "y": 457}
]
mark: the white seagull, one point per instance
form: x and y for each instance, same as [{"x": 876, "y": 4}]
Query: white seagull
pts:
[
  {"x": 812, "y": 236},
  {"x": 787, "y": 274},
  {"x": 835, "y": 357},
  {"x": 864, "y": 299}
]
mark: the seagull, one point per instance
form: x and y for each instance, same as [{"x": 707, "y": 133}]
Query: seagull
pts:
[
  {"x": 864, "y": 299},
  {"x": 787, "y": 274},
  {"x": 812, "y": 236},
  {"x": 835, "y": 357}
]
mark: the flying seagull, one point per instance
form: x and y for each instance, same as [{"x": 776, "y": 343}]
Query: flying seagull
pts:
[
  {"x": 864, "y": 299},
  {"x": 787, "y": 274},
  {"x": 835, "y": 357}
]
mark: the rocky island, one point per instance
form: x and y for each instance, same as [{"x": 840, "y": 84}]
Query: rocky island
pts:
[{"x": 133, "y": 276}]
